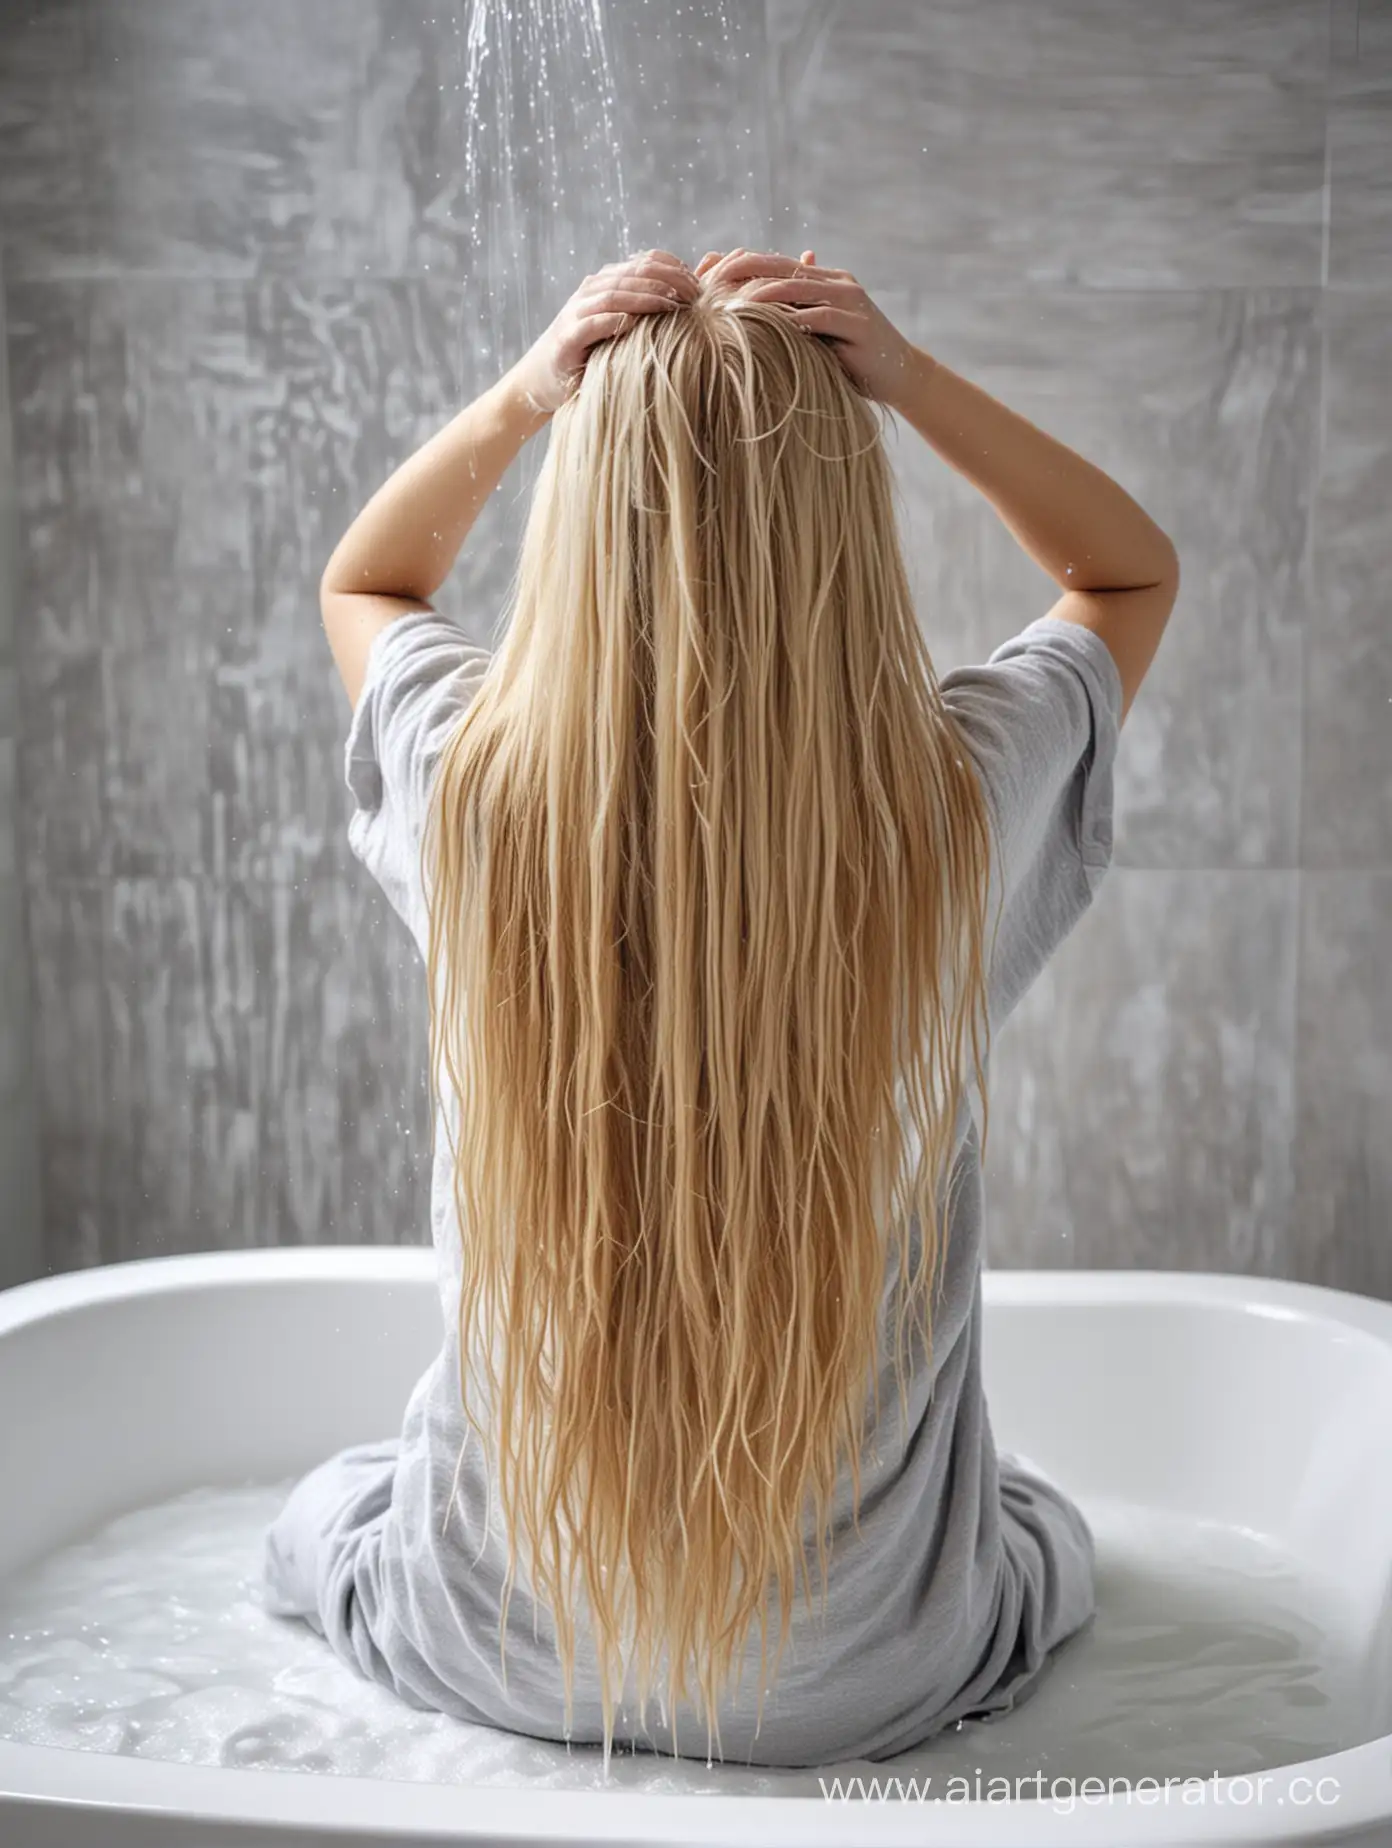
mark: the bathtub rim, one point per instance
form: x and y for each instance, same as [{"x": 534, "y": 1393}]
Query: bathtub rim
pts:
[
  {"x": 1274, "y": 1297},
  {"x": 59, "y": 1779},
  {"x": 35, "y": 1778}
]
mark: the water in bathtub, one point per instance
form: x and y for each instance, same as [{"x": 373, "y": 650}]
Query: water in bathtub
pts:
[{"x": 1211, "y": 1653}]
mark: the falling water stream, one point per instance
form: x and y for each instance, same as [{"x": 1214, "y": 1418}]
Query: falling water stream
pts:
[
  {"x": 551, "y": 103},
  {"x": 542, "y": 169}
]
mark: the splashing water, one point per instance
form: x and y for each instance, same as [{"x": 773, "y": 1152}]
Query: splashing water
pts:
[
  {"x": 543, "y": 173},
  {"x": 1212, "y": 1651}
]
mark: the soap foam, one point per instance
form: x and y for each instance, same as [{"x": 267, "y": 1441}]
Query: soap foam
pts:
[{"x": 1211, "y": 1653}]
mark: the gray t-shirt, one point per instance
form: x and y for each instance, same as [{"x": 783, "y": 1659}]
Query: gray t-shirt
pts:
[{"x": 969, "y": 1567}]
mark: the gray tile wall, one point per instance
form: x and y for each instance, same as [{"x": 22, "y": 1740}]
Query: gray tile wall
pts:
[
  {"x": 21, "y": 1230},
  {"x": 242, "y": 284}
]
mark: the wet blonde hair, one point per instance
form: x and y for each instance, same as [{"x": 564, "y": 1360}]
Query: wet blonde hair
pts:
[{"x": 707, "y": 871}]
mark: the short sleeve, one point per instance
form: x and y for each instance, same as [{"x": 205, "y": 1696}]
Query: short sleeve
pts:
[
  {"x": 1041, "y": 719},
  {"x": 421, "y": 674}
]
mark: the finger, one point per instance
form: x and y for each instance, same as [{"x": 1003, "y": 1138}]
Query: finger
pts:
[
  {"x": 633, "y": 300},
  {"x": 711, "y": 257},
  {"x": 774, "y": 261},
  {"x": 652, "y": 261},
  {"x": 808, "y": 256},
  {"x": 752, "y": 265},
  {"x": 737, "y": 263},
  {"x": 738, "y": 255},
  {"x": 661, "y": 264},
  {"x": 670, "y": 292},
  {"x": 641, "y": 256},
  {"x": 606, "y": 326},
  {"x": 802, "y": 291},
  {"x": 839, "y": 323},
  {"x": 675, "y": 274}
]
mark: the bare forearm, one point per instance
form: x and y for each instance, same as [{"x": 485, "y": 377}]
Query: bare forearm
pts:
[
  {"x": 1078, "y": 525},
  {"x": 406, "y": 539}
]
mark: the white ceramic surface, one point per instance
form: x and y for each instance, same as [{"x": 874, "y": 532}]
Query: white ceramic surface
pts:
[{"x": 1261, "y": 1405}]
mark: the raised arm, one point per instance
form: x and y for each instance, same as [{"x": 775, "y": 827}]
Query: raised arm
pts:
[
  {"x": 402, "y": 546},
  {"x": 1118, "y": 570}
]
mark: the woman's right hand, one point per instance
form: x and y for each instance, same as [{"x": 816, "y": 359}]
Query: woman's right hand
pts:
[{"x": 830, "y": 302}]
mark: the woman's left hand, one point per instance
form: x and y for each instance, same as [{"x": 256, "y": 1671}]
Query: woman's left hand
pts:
[{"x": 604, "y": 305}]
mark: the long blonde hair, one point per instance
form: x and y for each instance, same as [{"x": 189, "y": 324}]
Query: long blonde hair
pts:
[{"x": 707, "y": 870}]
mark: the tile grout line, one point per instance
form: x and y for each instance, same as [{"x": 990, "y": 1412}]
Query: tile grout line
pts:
[{"x": 1309, "y": 567}]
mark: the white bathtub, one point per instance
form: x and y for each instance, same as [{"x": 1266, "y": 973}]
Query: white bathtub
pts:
[{"x": 1264, "y": 1406}]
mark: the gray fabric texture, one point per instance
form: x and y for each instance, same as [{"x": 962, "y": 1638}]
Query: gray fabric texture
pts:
[{"x": 970, "y": 1566}]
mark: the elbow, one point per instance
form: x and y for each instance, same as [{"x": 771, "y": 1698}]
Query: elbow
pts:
[
  {"x": 326, "y": 592},
  {"x": 1170, "y": 553},
  {"x": 337, "y": 567},
  {"x": 1162, "y": 570}
]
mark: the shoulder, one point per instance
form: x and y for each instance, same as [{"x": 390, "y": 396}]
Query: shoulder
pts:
[
  {"x": 420, "y": 674},
  {"x": 1045, "y": 705}
]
